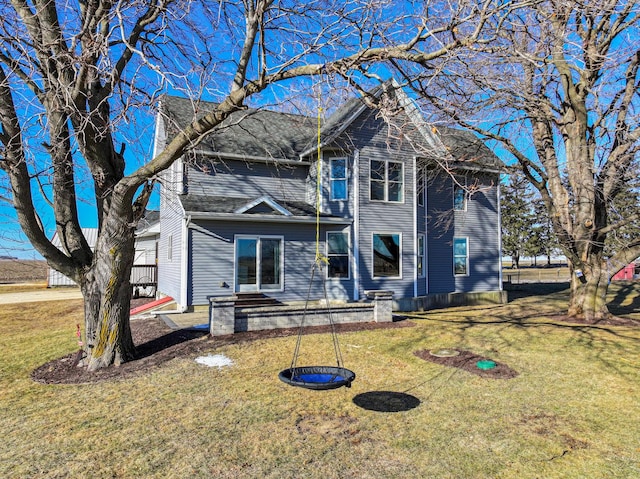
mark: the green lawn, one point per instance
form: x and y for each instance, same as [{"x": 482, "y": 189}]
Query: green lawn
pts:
[{"x": 572, "y": 412}]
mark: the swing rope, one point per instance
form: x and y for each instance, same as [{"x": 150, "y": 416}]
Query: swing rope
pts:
[{"x": 320, "y": 260}]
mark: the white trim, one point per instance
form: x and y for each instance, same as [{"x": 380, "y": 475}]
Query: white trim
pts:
[
  {"x": 415, "y": 230},
  {"x": 499, "y": 203},
  {"x": 184, "y": 263},
  {"x": 349, "y": 252},
  {"x": 400, "y": 246},
  {"x": 257, "y": 159},
  {"x": 156, "y": 134},
  {"x": 258, "y": 261},
  {"x": 426, "y": 235},
  {"x": 356, "y": 225},
  {"x": 266, "y": 200},
  {"x": 269, "y": 218}
]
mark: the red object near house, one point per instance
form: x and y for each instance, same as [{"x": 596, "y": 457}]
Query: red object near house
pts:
[{"x": 625, "y": 273}]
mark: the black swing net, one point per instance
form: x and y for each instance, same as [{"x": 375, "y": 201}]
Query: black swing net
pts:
[{"x": 317, "y": 377}]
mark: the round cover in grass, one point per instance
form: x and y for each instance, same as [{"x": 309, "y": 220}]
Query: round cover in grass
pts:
[
  {"x": 444, "y": 353},
  {"x": 317, "y": 377}
]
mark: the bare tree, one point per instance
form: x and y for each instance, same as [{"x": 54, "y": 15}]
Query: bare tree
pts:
[
  {"x": 558, "y": 91},
  {"x": 76, "y": 76}
]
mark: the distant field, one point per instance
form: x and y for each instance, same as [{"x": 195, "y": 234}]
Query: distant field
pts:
[
  {"x": 536, "y": 275},
  {"x": 22, "y": 271}
]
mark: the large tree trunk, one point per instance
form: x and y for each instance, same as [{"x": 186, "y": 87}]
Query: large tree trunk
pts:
[
  {"x": 107, "y": 294},
  {"x": 588, "y": 299}
]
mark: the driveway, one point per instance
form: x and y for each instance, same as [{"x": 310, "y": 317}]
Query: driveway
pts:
[{"x": 50, "y": 294}]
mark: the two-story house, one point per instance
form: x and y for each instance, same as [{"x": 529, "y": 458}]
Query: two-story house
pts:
[{"x": 402, "y": 206}]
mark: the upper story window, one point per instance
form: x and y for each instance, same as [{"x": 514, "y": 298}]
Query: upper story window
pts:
[
  {"x": 459, "y": 197},
  {"x": 338, "y": 178},
  {"x": 386, "y": 181},
  {"x": 420, "y": 188}
]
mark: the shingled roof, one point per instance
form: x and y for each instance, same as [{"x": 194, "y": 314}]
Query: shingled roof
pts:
[
  {"x": 264, "y": 133},
  {"x": 252, "y": 133},
  {"x": 467, "y": 149}
]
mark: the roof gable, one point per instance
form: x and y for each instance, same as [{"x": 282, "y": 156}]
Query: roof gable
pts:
[{"x": 263, "y": 205}]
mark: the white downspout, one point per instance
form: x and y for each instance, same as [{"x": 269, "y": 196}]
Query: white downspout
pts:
[
  {"x": 184, "y": 247},
  {"x": 415, "y": 231},
  {"x": 499, "y": 235},
  {"x": 356, "y": 225}
]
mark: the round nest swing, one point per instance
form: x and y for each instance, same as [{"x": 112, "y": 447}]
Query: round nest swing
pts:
[{"x": 317, "y": 377}]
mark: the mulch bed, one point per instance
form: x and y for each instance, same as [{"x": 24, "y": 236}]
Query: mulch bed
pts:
[
  {"x": 157, "y": 344},
  {"x": 467, "y": 361}
]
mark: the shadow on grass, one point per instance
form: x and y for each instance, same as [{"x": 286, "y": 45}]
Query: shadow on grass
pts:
[
  {"x": 386, "y": 401},
  {"x": 167, "y": 341},
  {"x": 619, "y": 304}
]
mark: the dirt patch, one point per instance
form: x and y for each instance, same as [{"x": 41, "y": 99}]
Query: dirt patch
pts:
[
  {"x": 157, "y": 344},
  {"x": 467, "y": 361}
]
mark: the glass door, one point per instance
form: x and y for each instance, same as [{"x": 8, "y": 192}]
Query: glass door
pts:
[
  {"x": 258, "y": 264},
  {"x": 247, "y": 264}
]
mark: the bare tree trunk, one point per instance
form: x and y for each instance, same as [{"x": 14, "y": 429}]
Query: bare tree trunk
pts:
[
  {"x": 588, "y": 298},
  {"x": 107, "y": 293}
]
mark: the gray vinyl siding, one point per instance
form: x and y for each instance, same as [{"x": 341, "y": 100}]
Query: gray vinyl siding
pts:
[
  {"x": 211, "y": 268},
  {"x": 479, "y": 223},
  {"x": 370, "y": 136},
  {"x": 240, "y": 179},
  {"x": 171, "y": 221},
  {"x": 440, "y": 232}
]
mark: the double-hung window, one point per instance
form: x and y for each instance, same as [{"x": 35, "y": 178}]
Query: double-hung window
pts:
[
  {"x": 387, "y": 255},
  {"x": 460, "y": 256},
  {"x": 386, "y": 181},
  {"x": 421, "y": 256},
  {"x": 459, "y": 197},
  {"x": 338, "y": 254},
  {"x": 338, "y": 177},
  {"x": 259, "y": 263}
]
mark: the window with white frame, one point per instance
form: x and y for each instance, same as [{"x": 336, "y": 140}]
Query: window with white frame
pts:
[
  {"x": 387, "y": 255},
  {"x": 170, "y": 248},
  {"x": 421, "y": 256},
  {"x": 338, "y": 254},
  {"x": 338, "y": 178},
  {"x": 386, "y": 181},
  {"x": 259, "y": 263},
  {"x": 459, "y": 197},
  {"x": 420, "y": 188},
  {"x": 460, "y": 256}
]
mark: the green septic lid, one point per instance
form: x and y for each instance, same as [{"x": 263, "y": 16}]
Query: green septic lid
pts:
[{"x": 486, "y": 364}]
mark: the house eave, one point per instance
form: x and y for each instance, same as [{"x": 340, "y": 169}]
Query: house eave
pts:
[
  {"x": 257, "y": 159},
  {"x": 262, "y": 218}
]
